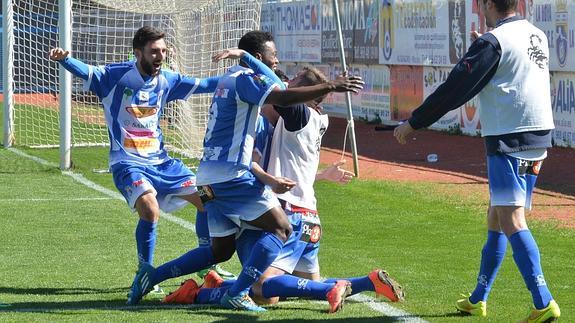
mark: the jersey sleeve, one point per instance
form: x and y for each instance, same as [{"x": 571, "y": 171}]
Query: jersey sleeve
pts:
[
  {"x": 254, "y": 88},
  {"x": 260, "y": 68},
  {"x": 95, "y": 77},
  {"x": 184, "y": 86}
]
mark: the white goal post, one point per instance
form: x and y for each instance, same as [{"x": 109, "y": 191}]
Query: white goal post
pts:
[{"x": 45, "y": 107}]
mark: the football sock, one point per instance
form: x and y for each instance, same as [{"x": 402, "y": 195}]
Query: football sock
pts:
[
  {"x": 146, "y": 240},
  {"x": 291, "y": 286},
  {"x": 210, "y": 295},
  {"x": 190, "y": 262},
  {"x": 202, "y": 230},
  {"x": 264, "y": 252},
  {"x": 528, "y": 260},
  {"x": 358, "y": 284},
  {"x": 491, "y": 258}
]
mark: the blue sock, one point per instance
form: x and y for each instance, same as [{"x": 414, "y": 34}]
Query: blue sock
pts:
[
  {"x": 358, "y": 284},
  {"x": 528, "y": 260},
  {"x": 146, "y": 240},
  {"x": 227, "y": 283},
  {"x": 202, "y": 230},
  {"x": 491, "y": 259},
  {"x": 210, "y": 295},
  {"x": 190, "y": 262},
  {"x": 264, "y": 252},
  {"x": 291, "y": 286}
]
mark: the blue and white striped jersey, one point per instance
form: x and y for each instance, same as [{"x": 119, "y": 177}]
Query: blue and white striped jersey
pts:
[
  {"x": 262, "y": 146},
  {"x": 229, "y": 139},
  {"x": 133, "y": 106}
]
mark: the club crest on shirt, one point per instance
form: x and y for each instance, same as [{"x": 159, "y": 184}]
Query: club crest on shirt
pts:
[{"x": 143, "y": 96}]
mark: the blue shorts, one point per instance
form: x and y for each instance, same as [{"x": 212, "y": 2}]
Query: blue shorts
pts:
[
  {"x": 167, "y": 181},
  {"x": 235, "y": 202},
  {"x": 511, "y": 180},
  {"x": 299, "y": 253}
]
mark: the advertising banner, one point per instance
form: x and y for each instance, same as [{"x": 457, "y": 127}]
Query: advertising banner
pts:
[
  {"x": 297, "y": 30},
  {"x": 417, "y": 32},
  {"x": 563, "y": 99},
  {"x": 406, "y": 90}
]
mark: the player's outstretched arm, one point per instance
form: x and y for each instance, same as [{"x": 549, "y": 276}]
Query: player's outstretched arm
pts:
[
  {"x": 255, "y": 64},
  {"x": 58, "y": 54},
  {"x": 74, "y": 66},
  {"x": 292, "y": 96},
  {"x": 335, "y": 173}
]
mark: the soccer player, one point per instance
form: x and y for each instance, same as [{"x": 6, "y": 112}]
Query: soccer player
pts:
[
  {"x": 231, "y": 194},
  {"x": 295, "y": 145},
  {"x": 133, "y": 95},
  {"x": 508, "y": 68}
]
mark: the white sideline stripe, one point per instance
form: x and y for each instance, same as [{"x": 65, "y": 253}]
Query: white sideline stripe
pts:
[
  {"x": 115, "y": 195},
  {"x": 380, "y": 307},
  {"x": 386, "y": 309},
  {"x": 60, "y": 199}
]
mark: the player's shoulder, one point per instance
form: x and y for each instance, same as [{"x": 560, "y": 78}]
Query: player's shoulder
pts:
[{"x": 117, "y": 70}]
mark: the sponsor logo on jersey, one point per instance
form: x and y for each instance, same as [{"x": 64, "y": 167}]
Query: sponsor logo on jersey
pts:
[
  {"x": 140, "y": 111},
  {"x": 143, "y": 144},
  {"x": 138, "y": 183},
  {"x": 188, "y": 183},
  {"x": 221, "y": 93}
]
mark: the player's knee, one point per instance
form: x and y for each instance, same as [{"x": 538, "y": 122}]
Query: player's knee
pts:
[{"x": 222, "y": 252}]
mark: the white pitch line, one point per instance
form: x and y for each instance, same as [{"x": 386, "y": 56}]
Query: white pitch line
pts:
[
  {"x": 57, "y": 199},
  {"x": 380, "y": 307}
]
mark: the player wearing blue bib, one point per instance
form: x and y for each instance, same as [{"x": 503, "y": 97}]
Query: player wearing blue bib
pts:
[
  {"x": 133, "y": 95},
  {"x": 508, "y": 68}
]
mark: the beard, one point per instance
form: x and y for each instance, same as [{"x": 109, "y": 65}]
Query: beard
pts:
[{"x": 149, "y": 68}]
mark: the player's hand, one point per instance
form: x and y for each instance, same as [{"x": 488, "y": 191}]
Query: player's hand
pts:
[
  {"x": 402, "y": 131},
  {"x": 347, "y": 84},
  {"x": 336, "y": 174},
  {"x": 474, "y": 35},
  {"x": 282, "y": 185},
  {"x": 58, "y": 54},
  {"x": 231, "y": 53}
]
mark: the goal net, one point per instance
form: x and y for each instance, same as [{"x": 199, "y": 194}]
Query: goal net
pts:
[{"x": 101, "y": 33}]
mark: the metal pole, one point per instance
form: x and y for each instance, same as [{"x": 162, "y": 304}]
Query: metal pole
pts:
[
  {"x": 65, "y": 34},
  {"x": 347, "y": 94},
  {"x": 8, "y": 68}
]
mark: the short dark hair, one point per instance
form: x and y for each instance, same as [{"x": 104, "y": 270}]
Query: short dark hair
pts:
[
  {"x": 254, "y": 41},
  {"x": 145, "y": 35},
  {"x": 312, "y": 76},
  {"x": 504, "y": 6}
]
